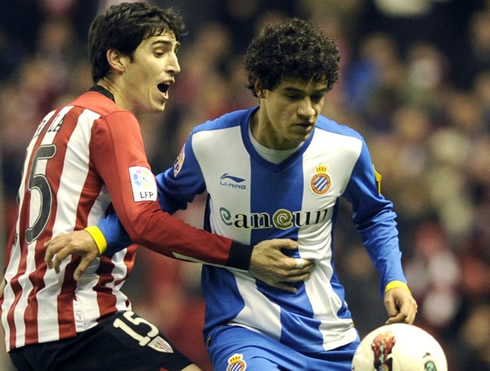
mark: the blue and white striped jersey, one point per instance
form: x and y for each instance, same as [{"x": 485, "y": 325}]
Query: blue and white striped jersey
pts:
[{"x": 251, "y": 199}]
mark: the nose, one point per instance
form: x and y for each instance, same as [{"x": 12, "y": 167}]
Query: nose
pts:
[
  {"x": 173, "y": 65},
  {"x": 306, "y": 109}
]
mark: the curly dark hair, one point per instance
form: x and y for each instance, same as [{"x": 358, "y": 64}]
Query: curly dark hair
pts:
[
  {"x": 293, "y": 49},
  {"x": 123, "y": 27}
]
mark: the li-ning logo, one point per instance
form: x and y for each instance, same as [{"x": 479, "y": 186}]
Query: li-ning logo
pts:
[
  {"x": 236, "y": 363},
  {"x": 320, "y": 182},
  {"x": 231, "y": 181}
]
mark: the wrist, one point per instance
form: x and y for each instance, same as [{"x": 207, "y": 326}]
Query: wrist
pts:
[
  {"x": 98, "y": 237},
  {"x": 396, "y": 284}
]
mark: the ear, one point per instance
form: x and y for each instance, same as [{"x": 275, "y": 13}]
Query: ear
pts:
[
  {"x": 116, "y": 60},
  {"x": 258, "y": 90}
]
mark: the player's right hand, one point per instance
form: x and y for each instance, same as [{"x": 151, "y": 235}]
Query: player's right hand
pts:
[
  {"x": 269, "y": 264},
  {"x": 78, "y": 242}
]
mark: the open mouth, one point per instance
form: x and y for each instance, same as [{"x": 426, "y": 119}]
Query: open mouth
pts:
[{"x": 163, "y": 87}]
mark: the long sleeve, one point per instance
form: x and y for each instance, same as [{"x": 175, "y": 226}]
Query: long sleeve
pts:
[
  {"x": 374, "y": 218},
  {"x": 119, "y": 157}
]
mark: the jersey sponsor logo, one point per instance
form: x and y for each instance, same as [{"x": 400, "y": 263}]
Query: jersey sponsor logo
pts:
[
  {"x": 179, "y": 161},
  {"x": 281, "y": 219},
  {"x": 320, "y": 182},
  {"x": 143, "y": 184},
  {"x": 227, "y": 180},
  {"x": 236, "y": 363}
]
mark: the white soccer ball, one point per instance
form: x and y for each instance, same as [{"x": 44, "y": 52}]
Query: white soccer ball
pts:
[{"x": 399, "y": 347}]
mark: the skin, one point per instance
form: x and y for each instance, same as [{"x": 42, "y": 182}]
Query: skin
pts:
[
  {"x": 288, "y": 113},
  {"x": 134, "y": 82}
]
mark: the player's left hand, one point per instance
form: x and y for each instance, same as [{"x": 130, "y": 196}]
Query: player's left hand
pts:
[
  {"x": 400, "y": 305},
  {"x": 78, "y": 242}
]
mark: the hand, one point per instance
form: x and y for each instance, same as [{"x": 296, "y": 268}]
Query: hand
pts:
[
  {"x": 269, "y": 264},
  {"x": 78, "y": 242},
  {"x": 400, "y": 305}
]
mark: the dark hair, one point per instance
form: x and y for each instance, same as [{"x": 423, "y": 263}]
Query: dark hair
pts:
[
  {"x": 293, "y": 49},
  {"x": 123, "y": 27}
]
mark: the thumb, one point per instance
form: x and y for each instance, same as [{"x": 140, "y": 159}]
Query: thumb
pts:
[{"x": 390, "y": 305}]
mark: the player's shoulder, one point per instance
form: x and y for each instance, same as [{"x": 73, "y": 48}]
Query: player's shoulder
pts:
[
  {"x": 332, "y": 126},
  {"x": 101, "y": 105},
  {"x": 226, "y": 121}
]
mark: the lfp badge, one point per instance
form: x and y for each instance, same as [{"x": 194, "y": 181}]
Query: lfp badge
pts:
[{"x": 143, "y": 184}]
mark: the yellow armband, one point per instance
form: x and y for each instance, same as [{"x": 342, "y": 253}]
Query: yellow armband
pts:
[
  {"x": 395, "y": 284},
  {"x": 98, "y": 237}
]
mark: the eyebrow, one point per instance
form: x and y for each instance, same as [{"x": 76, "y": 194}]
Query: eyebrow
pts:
[
  {"x": 166, "y": 42},
  {"x": 296, "y": 90}
]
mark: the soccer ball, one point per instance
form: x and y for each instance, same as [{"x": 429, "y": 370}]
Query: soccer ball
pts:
[{"x": 399, "y": 347}]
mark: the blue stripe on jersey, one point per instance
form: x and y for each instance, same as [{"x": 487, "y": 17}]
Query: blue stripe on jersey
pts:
[{"x": 267, "y": 196}]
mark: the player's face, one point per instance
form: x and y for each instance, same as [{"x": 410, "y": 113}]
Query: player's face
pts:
[
  {"x": 151, "y": 72},
  {"x": 288, "y": 113}
]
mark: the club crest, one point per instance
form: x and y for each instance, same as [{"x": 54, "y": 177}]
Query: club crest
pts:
[
  {"x": 236, "y": 363},
  {"x": 321, "y": 181}
]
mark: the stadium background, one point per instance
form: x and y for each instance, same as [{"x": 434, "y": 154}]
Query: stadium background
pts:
[{"x": 415, "y": 82}]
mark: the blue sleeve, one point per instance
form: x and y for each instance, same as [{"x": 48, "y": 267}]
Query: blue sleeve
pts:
[
  {"x": 375, "y": 219},
  {"x": 177, "y": 186},
  {"x": 114, "y": 233}
]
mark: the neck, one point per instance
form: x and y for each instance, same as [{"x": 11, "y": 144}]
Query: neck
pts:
[{"x": 114, "y": 90}]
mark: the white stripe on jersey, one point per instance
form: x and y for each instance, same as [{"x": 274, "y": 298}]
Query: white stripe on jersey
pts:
[{"x": 227, "y": 197}]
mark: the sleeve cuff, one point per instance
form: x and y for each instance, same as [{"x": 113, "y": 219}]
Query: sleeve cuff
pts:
[
  {"x": 395, "y": 284},
  {"x": 240, "y": 256},
  {"x": 98, "y": 237}
]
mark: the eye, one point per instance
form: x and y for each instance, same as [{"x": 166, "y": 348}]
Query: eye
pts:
[{"x": 293, "y": 96}]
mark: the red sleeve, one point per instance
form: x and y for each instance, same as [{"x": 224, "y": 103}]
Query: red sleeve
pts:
[{"x": 116, "y": 146}]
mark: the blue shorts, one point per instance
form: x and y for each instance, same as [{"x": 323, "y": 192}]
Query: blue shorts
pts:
[{"x": 236, "y": 348}]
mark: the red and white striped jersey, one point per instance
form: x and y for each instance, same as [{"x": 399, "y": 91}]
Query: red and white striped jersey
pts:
[{"x": 83, "y": 157}]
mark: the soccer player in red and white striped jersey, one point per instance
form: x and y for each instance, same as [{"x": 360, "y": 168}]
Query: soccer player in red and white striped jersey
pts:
[{"x": 83, "y": 158}]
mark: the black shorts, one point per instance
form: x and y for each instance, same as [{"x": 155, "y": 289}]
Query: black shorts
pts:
[{"x": 123, "y": 341}]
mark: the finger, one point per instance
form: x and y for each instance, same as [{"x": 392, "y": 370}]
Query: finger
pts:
[
  {"x": 56, "y": 264},
  {"x": 391, "y": 308},
  {"x": 283, "y": 243},
  {"x": 300, "y": 263},
  {"x": 298, "y": 278},
  {"x": 52, "y": 248},
  {"x": 399, "y": 318},
  {"x": 48, "y": 258},
  {"x": 59, "y": 257}
]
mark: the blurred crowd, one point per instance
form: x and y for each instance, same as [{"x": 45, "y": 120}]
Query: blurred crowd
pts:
[{"x": 415, "y": 82}]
